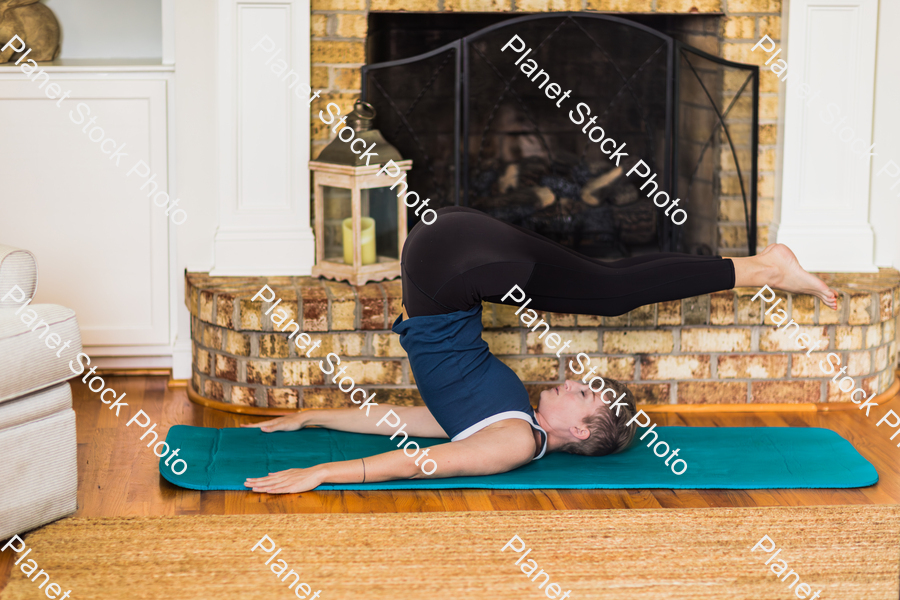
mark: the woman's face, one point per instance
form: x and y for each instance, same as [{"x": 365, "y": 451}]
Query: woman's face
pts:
[{"x": 567, "y": 405}]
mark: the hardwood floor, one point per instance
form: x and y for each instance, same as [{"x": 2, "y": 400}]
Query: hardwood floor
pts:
[{"x": 118, "y": 475}]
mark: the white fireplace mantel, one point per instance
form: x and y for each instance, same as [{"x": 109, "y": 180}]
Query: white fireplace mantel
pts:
[{"x": 825, "y": 185}]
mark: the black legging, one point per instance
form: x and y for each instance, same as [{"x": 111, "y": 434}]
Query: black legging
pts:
[{"x": 466, "y": 256}]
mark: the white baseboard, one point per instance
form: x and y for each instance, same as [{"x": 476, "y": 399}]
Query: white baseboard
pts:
[
  {"x": 132, "y": 362},
  {"x": 176, "y": 357}
]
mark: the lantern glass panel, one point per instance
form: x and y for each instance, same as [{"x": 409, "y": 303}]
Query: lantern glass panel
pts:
[
  {"x": 337, "y": 208},
  {"x": 381, "y": 205}
]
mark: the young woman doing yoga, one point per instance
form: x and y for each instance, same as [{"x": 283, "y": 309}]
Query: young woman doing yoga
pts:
[{"x": 467, "y": 257}]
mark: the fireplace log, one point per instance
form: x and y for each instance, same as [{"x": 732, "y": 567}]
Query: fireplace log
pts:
[
  {"x": 510, "y": 178},
  {"x": 595, "y": 185}
]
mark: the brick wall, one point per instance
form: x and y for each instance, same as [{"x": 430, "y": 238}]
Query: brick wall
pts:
[
  {"x": 338, "y": 29},
  {"x": 709, "y": 349}
]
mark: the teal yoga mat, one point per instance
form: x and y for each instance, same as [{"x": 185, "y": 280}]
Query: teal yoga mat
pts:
[{"x": 717, "y": 458}]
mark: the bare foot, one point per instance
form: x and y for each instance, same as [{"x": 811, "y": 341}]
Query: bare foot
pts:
[{"x": 791, "y": 277}]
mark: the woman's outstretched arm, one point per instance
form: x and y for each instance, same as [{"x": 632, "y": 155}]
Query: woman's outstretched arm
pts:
[
  {"x": 504, "y": 446},
  {"x": 418, "y": 419}
]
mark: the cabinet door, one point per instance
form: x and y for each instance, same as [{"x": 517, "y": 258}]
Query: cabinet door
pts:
[{"x": 101, "y": 243}]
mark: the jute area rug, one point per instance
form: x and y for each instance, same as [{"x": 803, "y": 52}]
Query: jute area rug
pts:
[{"x": 846, "y": 552}]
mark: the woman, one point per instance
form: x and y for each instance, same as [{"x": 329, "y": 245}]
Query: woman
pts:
[{"x": 467, "y": 257}]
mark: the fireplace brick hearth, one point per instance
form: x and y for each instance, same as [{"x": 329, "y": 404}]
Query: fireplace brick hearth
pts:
[
  {"x": 339, "y": 29},
  {"x": 710, "y": 349}
]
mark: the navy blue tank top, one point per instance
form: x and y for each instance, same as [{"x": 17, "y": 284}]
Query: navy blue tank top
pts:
[{"x": 465, "y": 387}]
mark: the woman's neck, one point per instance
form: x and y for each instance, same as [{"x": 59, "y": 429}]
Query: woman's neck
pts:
[{"x": 552, "y": 442}]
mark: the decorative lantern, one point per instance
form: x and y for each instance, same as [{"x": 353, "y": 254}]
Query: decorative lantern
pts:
[{"x": 360, "y": 221}]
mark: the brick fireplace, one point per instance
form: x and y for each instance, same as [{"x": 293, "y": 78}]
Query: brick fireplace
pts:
[
  {"x": 712, "y": 349},
  {"x": 727, "y": 29}
]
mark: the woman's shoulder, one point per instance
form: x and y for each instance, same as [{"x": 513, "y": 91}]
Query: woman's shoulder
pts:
[{"x": 517, "y": 433}]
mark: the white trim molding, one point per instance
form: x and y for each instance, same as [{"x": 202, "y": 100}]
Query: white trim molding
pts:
[
  {"x": 828, "y": 110},
  {"x": 168, "y": 31},
  {"x": 263, "y": 125},
  {"x": 182, "y": 359},
  {"x": 885, "y": 209}
]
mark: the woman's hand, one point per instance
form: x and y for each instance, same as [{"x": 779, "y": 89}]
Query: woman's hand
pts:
[
  {"x": 286, "y": 423},
  {"x": 290, "y": 481}
]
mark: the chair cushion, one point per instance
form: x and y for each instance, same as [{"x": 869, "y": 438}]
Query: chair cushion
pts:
[
  {"x": 27, "y": 363},
  {"x": 37, "y": 405},
  {"x": 17, "y": 267}
]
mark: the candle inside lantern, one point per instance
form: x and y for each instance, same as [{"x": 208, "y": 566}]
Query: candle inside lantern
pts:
[{"x": 367, "y": 241}]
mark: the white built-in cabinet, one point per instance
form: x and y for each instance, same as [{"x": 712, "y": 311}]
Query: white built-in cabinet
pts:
[
  {"x": 103, "y": 248},
  {"x": 237, "y": 136}
]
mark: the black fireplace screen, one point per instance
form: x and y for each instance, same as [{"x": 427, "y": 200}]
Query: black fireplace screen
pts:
[{"x": 482, "y": 133}]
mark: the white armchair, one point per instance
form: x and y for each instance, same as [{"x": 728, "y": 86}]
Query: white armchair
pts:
[{"x": 38, "y": 451}]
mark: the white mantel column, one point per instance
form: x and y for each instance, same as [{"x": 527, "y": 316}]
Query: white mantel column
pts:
[
  {"x": 263, "y": 144},
  {"x": 829, "y": 47}
]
